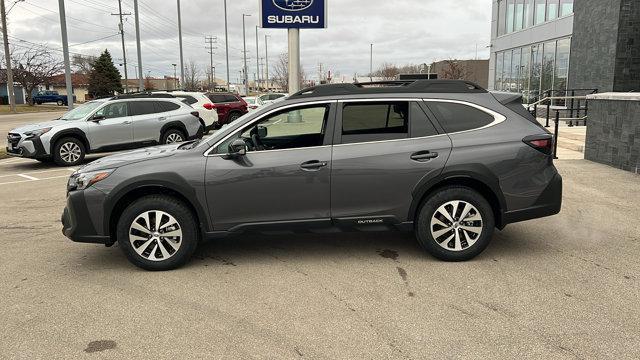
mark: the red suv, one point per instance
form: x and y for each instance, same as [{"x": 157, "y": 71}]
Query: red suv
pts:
[{"x": 229, "y": 106}]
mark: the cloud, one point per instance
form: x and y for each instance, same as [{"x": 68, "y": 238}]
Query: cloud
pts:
[{"x": 402, "y": 31}]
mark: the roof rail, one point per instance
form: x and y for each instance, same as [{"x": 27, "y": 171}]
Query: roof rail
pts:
[
  {"x": 392, "y": 86},
  {"x": 142, "y": 94}
]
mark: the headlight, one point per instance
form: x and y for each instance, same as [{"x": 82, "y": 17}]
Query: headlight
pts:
[
  {"x": 38, "y": 132},
  {"x": 81, "y": 181}
]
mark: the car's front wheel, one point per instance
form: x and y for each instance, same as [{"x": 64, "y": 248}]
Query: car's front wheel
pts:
[
  {"x": 157, "y": 233},
  {"x": 172, "y": 136},
  {"x": 68, "y": 152},
  {"x": 455, "y": 224}
]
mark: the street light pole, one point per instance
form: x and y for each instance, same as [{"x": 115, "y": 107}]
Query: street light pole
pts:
[
  {"x": 140, "y": 81},
  {"x": 244, "y": 44},
  {"x": 294, "y": 60},
  {"x": 226, "y": 44},
  {"x": 266, "y": 59},
  {"x": 175, "y": 77},
  {"x": 65, "y": 52},
  {"x": 257, "y": 62},
  {"x": 371, "y": 64},
  {"x": 180, "y": 43}
]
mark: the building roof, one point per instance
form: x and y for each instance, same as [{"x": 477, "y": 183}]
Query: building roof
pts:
[{"x": 77, "y": 79}]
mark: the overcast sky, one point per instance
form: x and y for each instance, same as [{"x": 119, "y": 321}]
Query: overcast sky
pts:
[{"x": 402, "y": 31}]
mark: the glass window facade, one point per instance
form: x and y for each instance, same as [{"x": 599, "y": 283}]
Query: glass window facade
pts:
[
  {"x": 533, "y": 70},
  {"x": 516, "y": 15}
]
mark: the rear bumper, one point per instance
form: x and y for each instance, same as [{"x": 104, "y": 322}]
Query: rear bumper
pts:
[
  {"x": 548, "y": 203},
  {"x": 77, "y": 223}
]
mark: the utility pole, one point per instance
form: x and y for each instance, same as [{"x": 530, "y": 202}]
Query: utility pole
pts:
[
  {"x": 244, "y": 44},
  {"x": 124, "y": 51},
  {"x": 7, "y": 58},
  {"x": 226, "y": 44},
  {"x": 140, "y": 81},
  {"x": 180, "y": 43},
  {"x": 65, "y": 52},
  {"x": 319, "y": 73},
  {"x": 371, "y": 64},
  {"x": 261, "y": 71},
  {"x": 210, "y": 40},
  {"x": 257, "y": 62},
  {"x": 266, "y": 59}
]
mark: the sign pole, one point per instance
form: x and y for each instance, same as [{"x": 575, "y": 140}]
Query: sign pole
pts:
[{"x": 294, "y": 60}]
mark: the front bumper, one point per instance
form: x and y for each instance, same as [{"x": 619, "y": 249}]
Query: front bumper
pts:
[
  {"x": 81, "y": 218},
  {"x": 29, "y": 148},
  {"x": 548, "y": 203}
]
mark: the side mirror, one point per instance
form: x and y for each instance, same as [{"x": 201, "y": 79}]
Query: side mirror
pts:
[
  {"x": 238, "y": 148},
  {"x": 97, "y": 118}
]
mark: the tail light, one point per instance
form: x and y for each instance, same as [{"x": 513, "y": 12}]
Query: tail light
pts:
[
  {"x": 209, "y": 106},
  {"x": 542, "y": 143},
  {"x": 195, "y": 113},
  {"x": 253, "y": 106}
]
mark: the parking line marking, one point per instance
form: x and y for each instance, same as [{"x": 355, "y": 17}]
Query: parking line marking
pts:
[
  {"x": 28, "y": 177},
  {"x": 26, "y": 181},
  {"x": 39, "y": 172}
]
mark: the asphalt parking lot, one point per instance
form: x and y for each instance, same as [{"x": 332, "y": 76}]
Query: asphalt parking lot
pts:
[{"x": 560, "y": 287}]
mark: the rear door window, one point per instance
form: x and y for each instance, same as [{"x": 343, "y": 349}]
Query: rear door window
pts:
[
  {"x": 165, "y": 106},
  {"x": 455, "y": 117},
  {"x": 375, "y": 121},
  {"x": 230, "y": 98},
  {"x": 217, "y": 98},
  {"x": 187, "y": 99},
  {"x": 142, "y": 107}
]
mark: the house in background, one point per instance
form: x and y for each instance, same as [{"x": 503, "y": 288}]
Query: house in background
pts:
[
  {"x": 79, "y": 84},
  {"x": 4, "y": 93},
  {"x": 151, "y": 83}
]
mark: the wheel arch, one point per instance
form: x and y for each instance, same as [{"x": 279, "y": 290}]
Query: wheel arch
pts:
[
  {"x": 173, "y": 125},
  {"x": 486, "y": 185},
  {"x": 133, "y": 192},
  {"x": 73, "y": 132}
]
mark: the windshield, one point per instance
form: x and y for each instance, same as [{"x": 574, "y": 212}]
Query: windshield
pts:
[
  {"x": 81, "y": 111},
  {"x": 250, "y": 100}
]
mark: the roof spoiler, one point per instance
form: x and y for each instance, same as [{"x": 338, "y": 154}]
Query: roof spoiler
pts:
[{"x": 506, "y": 97}]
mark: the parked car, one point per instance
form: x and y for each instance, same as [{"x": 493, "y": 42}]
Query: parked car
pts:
[
  {"x": 229, "y": 106},
  {"x": 445, "y": 159},
  {"x": 48, "y": 96},
  {"x": 271, "y": 97},
  {"x": 253, "y": 102},
  {"x": 121, "y": 122},
  {"x": 200, "y": 102}
]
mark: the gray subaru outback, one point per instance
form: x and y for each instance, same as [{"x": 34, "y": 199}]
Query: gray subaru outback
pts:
[
  {"x": 444, "y": 159},
  {"x": 121, "y": 122}
]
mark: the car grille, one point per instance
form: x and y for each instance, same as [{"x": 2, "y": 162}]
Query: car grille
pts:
[{"x": 13, "y": 139}]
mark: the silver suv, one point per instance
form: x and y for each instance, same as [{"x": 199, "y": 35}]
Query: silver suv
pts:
[{"x": 121, "y": 122}]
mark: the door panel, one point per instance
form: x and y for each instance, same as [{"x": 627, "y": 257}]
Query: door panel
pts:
[
  {"x": 115, "y": 129},
  {"x": 147, "y": 121},
  {"x": 268, "y": 186},
  {"x": 378, "y": 178}
]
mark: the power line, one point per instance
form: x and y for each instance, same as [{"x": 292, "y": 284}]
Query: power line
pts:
[
  {"x": 92, "y": 41},
  {"x": 70, "y": 17}
]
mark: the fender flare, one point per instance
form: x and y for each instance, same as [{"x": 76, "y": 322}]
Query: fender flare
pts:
[
  {"x": 173, "y": 124},
  {"x": 74, "y": 132}
]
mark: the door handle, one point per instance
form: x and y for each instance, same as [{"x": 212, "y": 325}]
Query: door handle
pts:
[
  {"x": 162, "y": 118},
  {"x": 313, "y": 165},
  {"x": 425, "y": 155},
  {"x": 127, "y": 122}
]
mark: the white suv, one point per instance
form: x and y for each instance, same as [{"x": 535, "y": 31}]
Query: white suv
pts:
[{"x": 200, "y": 102}]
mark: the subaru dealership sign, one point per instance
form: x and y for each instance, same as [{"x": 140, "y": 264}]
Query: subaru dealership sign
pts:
[{"x": 293, "y": 14}]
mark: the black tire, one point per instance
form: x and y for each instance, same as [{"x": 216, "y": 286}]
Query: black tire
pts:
[
  {"x": 63, "y": 145},
  {"x": 474, "y": 245},
  {"x": 233, "y": 116},
  {"x": 170, "y": 134},
  {"x": 39, "y": 102},
  {"x": 60, "y": 102},
  {"x": 188, "y": 242}
]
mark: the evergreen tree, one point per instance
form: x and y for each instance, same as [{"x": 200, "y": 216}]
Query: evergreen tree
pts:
[{"x": 104, "y": 79}]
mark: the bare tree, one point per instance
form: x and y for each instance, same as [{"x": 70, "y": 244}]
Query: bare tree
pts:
[
  {"x": 455, "y": 70},
  {"x": 281, "y": 73},
  {"x": 34, "y": 66},
  {"x": 192, "y": 76},
  {"x": 83, "y": 64},
  {"x": 148, "y": 85},
  {"x": 387, "y": 71}
]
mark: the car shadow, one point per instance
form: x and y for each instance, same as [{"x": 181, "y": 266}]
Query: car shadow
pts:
[{"x": 257, "y": 249}]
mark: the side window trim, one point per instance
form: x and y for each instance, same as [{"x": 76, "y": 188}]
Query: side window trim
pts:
[
  {"x": 497, "y": 117},
  {"x": 329, "y": 130}
]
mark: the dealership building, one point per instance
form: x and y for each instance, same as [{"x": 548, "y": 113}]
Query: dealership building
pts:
[{"x": 540, "y": 45}]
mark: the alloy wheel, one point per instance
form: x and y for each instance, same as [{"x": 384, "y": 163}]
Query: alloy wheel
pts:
[
  {"x": 155, "y": 235},
  {"x": 70, "y": 152},
  {"x": 456, "y": 225},
  {"x": 174, "y": 138}
]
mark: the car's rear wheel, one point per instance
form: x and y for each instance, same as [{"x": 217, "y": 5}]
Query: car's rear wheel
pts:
[
  {"x": 455, "y": 224},
  {"x": 173, "y": 136},
  {"x": 60, "y": 102},
  {"x": 68, "y": 151},
  {"x": 234, "y": 116},
  {"x": 157, "y": 233}
]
